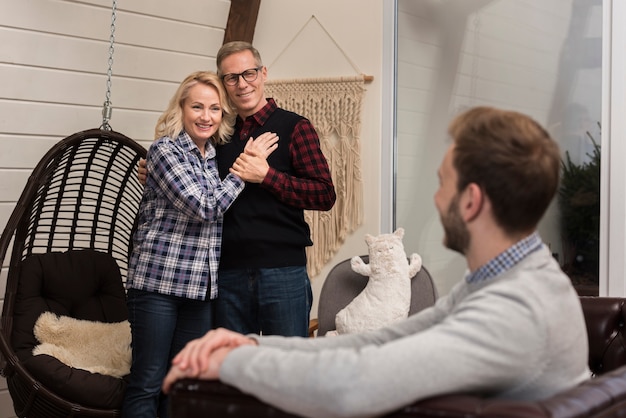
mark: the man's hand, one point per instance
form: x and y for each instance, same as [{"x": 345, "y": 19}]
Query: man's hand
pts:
[
  {"x": 212, "y": 371},
  {"x": 203, "y": 357},
  {"x": 251, "y": 165},
  {"x": 142, "y": 171}
]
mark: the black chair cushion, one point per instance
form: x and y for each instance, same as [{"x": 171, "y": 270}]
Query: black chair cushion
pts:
[{"x": 83, "y": 284}]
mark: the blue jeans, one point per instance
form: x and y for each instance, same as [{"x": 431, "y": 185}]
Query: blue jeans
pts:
[
  {"x": 268, "y": 301},
  {"x": 161, "y": 325}
]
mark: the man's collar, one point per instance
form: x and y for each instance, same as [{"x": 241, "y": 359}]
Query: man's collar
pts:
[
  {"x": 261, "y": 116},
  {"x": 506, "y": 259}
]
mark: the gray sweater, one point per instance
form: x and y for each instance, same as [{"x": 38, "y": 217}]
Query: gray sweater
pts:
[{"x": 519, "y": 336}]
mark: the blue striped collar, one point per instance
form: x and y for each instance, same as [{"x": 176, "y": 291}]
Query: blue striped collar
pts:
[{"x": 507, "y": 259}]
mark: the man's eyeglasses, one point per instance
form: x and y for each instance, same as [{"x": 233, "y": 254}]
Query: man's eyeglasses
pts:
[{"x": 248, "y": 75}]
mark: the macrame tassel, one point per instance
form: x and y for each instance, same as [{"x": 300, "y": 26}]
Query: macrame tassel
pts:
[{"x": 333, "y": 105}]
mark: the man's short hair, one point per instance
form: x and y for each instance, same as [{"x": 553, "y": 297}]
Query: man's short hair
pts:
[
  {"x": 512, "y": 159},
  {"x": 233, "y": 47}
]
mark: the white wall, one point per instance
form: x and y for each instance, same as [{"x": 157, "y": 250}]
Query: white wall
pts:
[
  {"x": 53, "y": 64},
  {"x": 504, "y": 53},
  {"x": 344, "y": 39},
  {"x": 54, "y": 58},
  {"x": 613, "y": 169}
]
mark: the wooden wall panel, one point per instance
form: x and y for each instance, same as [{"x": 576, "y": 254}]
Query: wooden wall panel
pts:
[
  {"x": 140, "y": 28},
  {"x": 207, "y": 13},
  {"x": 91, "y": 56},
  {"x": 53, "y": 65},
  {"x": 26, "y": 153},
  {"x": 5, "y": 211},
  {"x": 84, "y": 89},
  {"x": 13, "y": 181},
  {"x": 6, "y": 406},
  {"x": 62, "y": 120}
]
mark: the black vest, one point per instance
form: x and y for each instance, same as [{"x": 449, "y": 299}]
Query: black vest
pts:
[{"x": 260, "y": 230}]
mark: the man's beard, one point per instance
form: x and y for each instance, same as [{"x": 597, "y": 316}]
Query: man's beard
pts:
[{"x": 456, "y": 235}]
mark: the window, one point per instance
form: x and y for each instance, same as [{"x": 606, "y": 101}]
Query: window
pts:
[{"x": 540, "y": 58}]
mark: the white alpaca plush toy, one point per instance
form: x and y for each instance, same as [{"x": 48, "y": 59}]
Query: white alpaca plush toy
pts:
[{"x": 387, "y": 296}]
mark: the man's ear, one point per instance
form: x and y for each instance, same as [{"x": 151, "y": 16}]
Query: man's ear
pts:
[{"x": 472, "y": 202}]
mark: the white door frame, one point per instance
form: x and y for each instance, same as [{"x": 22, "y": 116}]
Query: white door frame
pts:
[{"x": 613, "y": 148}]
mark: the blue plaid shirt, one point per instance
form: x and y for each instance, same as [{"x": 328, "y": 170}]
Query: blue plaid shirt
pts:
[
  {"x": 177, "y": 243},
  {"x": 507, "y": 259}
]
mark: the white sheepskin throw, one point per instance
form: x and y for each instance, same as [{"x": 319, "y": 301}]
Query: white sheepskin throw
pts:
[
  {"x": 387, "y": 295},
  {"x": 93, "y": 346}
]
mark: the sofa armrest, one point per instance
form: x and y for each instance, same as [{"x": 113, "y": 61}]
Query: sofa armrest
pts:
[
  {"x": 605, "y": 318},
  {"x": 603, "y": 396},
  {"x": 192, "y": 398}
]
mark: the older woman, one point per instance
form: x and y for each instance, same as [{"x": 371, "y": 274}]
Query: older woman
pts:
[{"x": 172, "y": 276}]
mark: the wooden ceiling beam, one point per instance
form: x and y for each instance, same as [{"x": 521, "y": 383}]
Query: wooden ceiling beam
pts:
[{"x": 241, "y": 20}]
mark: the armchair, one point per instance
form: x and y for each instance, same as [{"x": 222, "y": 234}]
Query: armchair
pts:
[{"x": 342, "y": 285}]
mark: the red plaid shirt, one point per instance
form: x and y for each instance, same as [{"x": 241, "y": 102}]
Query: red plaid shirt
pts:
[{"x": 311, "y": 186}]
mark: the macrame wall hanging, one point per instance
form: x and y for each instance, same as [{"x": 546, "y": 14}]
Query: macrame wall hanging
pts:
[{"x": 333, "y": 105}]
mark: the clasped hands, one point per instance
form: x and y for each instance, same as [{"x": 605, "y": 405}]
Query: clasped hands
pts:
[
  {"x": 202, "y": 358},
  {"x": 250, "y": 166}
]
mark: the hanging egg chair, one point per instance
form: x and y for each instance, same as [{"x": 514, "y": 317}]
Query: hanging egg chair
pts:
[{"x": 69, "y": 238}]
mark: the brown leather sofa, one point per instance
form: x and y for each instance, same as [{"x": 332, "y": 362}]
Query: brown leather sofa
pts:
[{"x": 602, "y": 396}]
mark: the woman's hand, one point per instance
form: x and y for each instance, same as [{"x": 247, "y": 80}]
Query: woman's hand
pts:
[
  {"x": 142, "y": 171},
  {"x": 263, "y": 146}
]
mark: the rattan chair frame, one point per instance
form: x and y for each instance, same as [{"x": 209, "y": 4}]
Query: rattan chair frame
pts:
[{"x": 83, "y": 194}]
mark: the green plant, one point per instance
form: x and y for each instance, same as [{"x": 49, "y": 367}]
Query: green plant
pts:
[{"x": 579, "y": 202}]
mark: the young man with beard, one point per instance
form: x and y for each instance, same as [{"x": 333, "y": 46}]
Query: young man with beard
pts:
[{"x": 512, "y": 328}]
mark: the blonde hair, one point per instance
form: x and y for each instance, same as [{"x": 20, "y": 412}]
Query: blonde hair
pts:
[{"x": 170, "y": 123}]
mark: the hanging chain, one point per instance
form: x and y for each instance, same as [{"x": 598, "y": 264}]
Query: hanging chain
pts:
[{"x": 107, "y": 110}]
